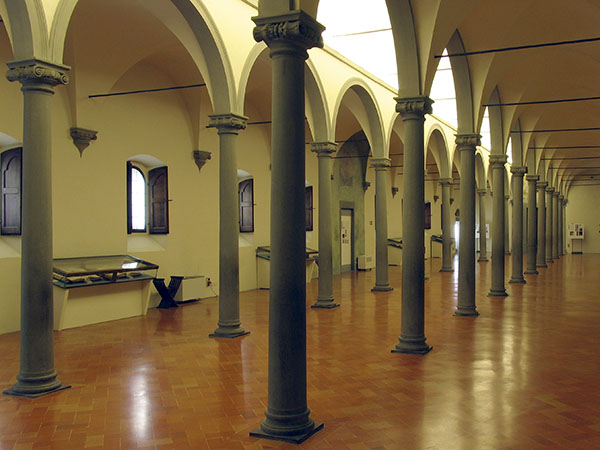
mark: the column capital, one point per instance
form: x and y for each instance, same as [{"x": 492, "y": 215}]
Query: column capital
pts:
[
  {"x": 323, "y": 149},
  {"x": 412, "y": 107},
  {"x": 561, "y": 198},
  {"x": 556, "y": 193},
  {"x": 550, "y": 190},
  {"x": 37, "y": 72},
  {"x": 445, "y": 181},
  {"x": 506, "y": 197},
  {"x": 498, "y": 161},
  {"x": 541, "y": 185},
  {"x": 227, "y": 123},
  {"x": 468, "y": 141},
  {"x": 518, "y": 171},
  {"x": 481, "y": 192},
  {"x": 297, "y": 28},
  {"x": 381, "y": 163},
  {"x": 532, "y": 177}
]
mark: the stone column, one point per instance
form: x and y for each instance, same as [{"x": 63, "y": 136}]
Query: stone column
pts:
[
  {"x": 382, "y": 282},
  {"x": 561, "y": 225},
  {"x": 497, "y": 164},
  {"x": 446, "y": 226},
  {"x": 466, "y": 145},
  {"x": 565, "y": 201},
  {"x": 37, "y": 375},
  {"x": 517, "y": 221},
  {"x": 541, "y": 225},
  {"x": 412, "y": 337},
  {"x": 549, "y": 224},
  {"x": 555, "y": 233},
  {"x": 287, "y": 416},
  {"x": 325, "y": 151},
  {"x": 506, "y": 222},
  {"x": 482, "y": 230},
  {"x": 228, "y": 127},
  {"x": 531, "y": 225}
]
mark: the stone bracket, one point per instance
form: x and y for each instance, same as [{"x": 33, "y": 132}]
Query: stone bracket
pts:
[
  {"x": 82, "y": 138},
  {"x": 200, "y": 157}
]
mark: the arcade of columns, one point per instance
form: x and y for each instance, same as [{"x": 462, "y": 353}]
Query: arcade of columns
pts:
[{"x": 287, "y": 416}]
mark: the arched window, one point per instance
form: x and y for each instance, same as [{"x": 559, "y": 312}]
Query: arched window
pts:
[
  {"x": 147, "y": 201},
  {"x": 11, "y": 192},
  {"x": 136, "y": 203},
  {"x": 246, "y": 203}
]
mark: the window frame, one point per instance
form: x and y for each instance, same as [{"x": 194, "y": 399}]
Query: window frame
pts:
[
  {"x": 243, "y": 228},
  {"x": 130, "y": 229}
]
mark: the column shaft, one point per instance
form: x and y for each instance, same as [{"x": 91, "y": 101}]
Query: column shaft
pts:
[
  {"x": 482, "y": 228},
  {"x": 37, "y": 375},
  {"x": 549, "y": 224},
  {"x": 324, "y": 151},
  {"x": 287, "y": 415},
  {"x": 555, "y": 232},
  {"x": 531, "y": 225},
  {"x": 446, "y": 226},
  {"x": 497, "y": 290},
  {"x": 506, "y": 225},
  {"x": 561, "y": 220},
  {"x": 382, "y": 282},
  {"x": 517, "y": 230},
  {"x": 229, "y": 324},
  {"x": 541, "y": 224},
  {"x": 412, "y": 338},
  {"x": 466, "y": 249}
]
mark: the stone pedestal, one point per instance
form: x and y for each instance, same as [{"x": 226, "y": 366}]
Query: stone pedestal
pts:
[
  {"x": 412, "y": 338},
  {"x": 324, "y": 151},
  {"x": 382, "y": 282},
  {"x": 497, "y": 163},
  {"x": 482, "y": 229},
  {"x": 531, "y": 225},
  {"x": 287, "y": 416},
  {"x": 229, "y": 324},
  {"x": 37, "y": 375},
  {"x": 541, "y": 228},
  {"x": 517, "y": 225},
  {"x": 466, "y": 145},
  {"x": 446, "y": 184}
]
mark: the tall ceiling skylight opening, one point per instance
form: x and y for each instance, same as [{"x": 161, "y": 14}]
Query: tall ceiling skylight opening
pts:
[
  {"x": 361, "y": 31},
  {"x": 443, "y": 93}
]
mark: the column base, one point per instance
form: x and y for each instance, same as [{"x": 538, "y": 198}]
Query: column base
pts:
[
  {"x": 549, "y": 261},
  {"x": 517, "y": 280},
  {"x": 466, "y": 312},
  {"x": 412, "y": 346},
  {"x": 325, "y": 304},
  {"x": 445, "y": 269},
  {"x": 291, "y": 438},
  {"x": 38, "y": 386},
  {"x": 484, "y": 259},
  {"x": 498, "y": 293},
  {"x": 531, "y": 272},
  {"x": 382, "y": 288},
  {"x": 229, "y": 333},
  {"x": 542, "y": 265}
]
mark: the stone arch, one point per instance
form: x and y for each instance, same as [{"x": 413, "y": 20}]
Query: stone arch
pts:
[
  {"x": 436, "y": 140},
  {"x": 468, "y": 120},
  {"x": 27, "y": 28},
  {"x": 370, "y": 116},
  {"x": 480, "y": 176},
  {"x": 275, "y": 7},
  {"x": 496, "y": 128},
  {"x": 193, "y": 26}
]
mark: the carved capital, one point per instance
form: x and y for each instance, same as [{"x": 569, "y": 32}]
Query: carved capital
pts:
[
  {"x": 541, "y": 185},
  {"x": 381, "y": 163},
  {"x": 35, "y": 71},
  {"x": 468, "y": 141},
  {"x": 445, "y": 181},
  {"x": 556, "y": 193},
  {"x": 323, "y": 149},
  {"x": 481, "y": 192},
  {"x": 550, "y": 190},
  {"x": 532, "y": 177},
  {"x": 561, "y": 198},
  {"x": 413, "y": 107},
  {"x": 518, "y": 171},
  {"x": 200, "y": 158},
  {"x": 498, "y": 161},
  {"x": 227, "y": 123},
  {"x": 82, "y": 138},
  {"x": 297, "y": 28}
]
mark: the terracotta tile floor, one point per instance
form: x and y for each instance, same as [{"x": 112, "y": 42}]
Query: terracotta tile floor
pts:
[{"x": 523, "y": 375}]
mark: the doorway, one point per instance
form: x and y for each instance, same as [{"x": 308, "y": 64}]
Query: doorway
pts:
[{"x": 346, "y": 239}]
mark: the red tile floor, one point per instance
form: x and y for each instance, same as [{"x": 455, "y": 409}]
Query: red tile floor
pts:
[{"x": 525, "y": 374}]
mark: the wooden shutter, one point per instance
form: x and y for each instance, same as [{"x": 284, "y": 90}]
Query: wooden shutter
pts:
[
  {"x": 308, "y": 204},
  {"x": 246, "y": 193},
  {"x": 10, "y": 166},
  {"x": 129, "y": 219},
  {"x": 158, "y": 183}
]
